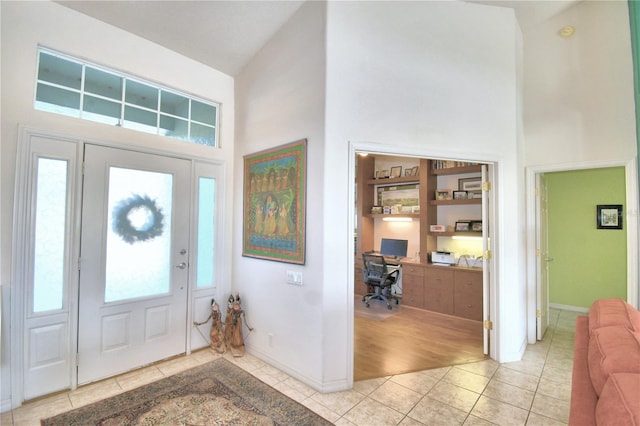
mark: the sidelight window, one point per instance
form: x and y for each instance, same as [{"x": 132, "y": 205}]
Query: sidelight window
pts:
[{"x": 50, "y": 243}]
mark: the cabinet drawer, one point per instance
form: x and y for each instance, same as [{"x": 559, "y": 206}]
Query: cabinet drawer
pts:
[
  {"x": 438, "y": 275},
  {"x": 468, "y": 295},
  {"x": 412, "y": 270},
  {"x": 412, "y": 290},
  {"x": 413, "y": 299},
  {"x": 438, "y": 290}
]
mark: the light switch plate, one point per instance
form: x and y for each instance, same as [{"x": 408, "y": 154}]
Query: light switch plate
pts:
[{"x": 294, "y": 278}]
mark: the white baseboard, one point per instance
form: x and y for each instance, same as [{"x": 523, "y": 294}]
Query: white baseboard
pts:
[
  {"x": 569, "y": 308},
  {"x": 5, "y": 405}
]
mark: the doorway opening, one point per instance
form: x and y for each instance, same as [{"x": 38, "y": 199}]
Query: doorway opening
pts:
[
  {"x": 565, "y": 243},
  {"x": 442, "y": 209}
]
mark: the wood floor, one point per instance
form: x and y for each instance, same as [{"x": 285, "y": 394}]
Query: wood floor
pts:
[{"x": 412, "y": 340}]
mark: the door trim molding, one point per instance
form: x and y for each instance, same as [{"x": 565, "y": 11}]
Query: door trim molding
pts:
[{"x": 631, "y": 180}]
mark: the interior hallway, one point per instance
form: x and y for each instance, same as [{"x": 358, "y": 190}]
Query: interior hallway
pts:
[{"x": 534, "y": 391}]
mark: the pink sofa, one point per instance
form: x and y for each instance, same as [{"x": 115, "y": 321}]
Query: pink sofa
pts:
[{"x": 605, "y": 386}]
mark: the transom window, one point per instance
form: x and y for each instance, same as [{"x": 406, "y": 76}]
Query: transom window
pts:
[{"x": 75, "y": 88}]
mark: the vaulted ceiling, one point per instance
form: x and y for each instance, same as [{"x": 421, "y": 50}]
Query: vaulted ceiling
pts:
[{"x": 225, "y": 35}]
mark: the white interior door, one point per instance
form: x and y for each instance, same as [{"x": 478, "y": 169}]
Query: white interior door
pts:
[
  {"x": 486, "y": 283},
  {"x": 543, "y": 258},
  {"x": 134, "y": 261}
]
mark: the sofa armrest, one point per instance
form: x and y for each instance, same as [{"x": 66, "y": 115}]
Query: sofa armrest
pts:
[{"x": 583, "y": 396}]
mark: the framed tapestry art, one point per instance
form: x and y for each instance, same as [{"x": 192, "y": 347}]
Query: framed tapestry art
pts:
[{"x": 275, "y": 203}]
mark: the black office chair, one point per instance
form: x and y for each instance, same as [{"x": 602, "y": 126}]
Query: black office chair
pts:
[{"x": 379, "y": 276}]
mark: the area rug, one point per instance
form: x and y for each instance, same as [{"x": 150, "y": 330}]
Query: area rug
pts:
[
  {"x": 216, "y": 393},
  {"x": 377, "y": 310}
]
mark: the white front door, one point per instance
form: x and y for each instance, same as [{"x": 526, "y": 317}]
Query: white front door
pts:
[{"x": 134, "y": 261}]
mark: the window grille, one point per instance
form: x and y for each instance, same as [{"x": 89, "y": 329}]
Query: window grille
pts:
[{"x": 79, "y": 89}]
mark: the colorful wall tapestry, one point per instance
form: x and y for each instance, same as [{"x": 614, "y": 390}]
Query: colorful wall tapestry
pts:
[{"x": 275, "y": 203}]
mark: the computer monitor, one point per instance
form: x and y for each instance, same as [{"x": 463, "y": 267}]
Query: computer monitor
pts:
[{"x": 391, "y": 247}]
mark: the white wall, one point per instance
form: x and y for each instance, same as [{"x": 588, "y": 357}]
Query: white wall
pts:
[
  {"x": 578, "y": 91},
  {"x": 579, "y": 108},
  {"x": 435, "y": 79},
  {"x": 280, "y": 99},
  {"x": 27, "y": 24},
  {"x": 418, "y": 78}
]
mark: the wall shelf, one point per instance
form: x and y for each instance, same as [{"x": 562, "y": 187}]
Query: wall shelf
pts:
[
  {"x": 393, "y": 181},
  {"x": 456, "y": 234},
  {"x": 457, "y": 170},
  {"x": 397, "y": 215},
  {"x": 455, "y": 202}
]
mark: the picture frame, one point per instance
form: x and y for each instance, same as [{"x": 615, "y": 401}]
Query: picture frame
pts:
[
  {"x": 403, "y": 195},
  {"x": 460, "y": 195},
  {"x": 476, "y": 226},
  {"x": 609, "y": 216},
  {"x": 274, "y": 216},
  {"x": 396, "y": 171},
  {"x": 415, "y": 170},
  {"x": 463, "y": 226},
  {"x": 473, "y": 186},
  {"x": 407, "y": 172},
  {"x": 383, "y": 174},
  {"x": 442, "y": 194}
]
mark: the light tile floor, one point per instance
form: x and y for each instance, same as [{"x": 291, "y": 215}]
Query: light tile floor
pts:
[{"x": 533, "y": 391}]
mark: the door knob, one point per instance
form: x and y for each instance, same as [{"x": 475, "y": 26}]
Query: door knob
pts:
[{"x": 182, "y": 265}]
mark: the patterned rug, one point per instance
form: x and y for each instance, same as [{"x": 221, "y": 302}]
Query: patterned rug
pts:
[{"x": 216, "y": 393}]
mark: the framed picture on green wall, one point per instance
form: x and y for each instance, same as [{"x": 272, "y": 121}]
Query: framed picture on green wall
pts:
[{"x": 609, "y": 216}]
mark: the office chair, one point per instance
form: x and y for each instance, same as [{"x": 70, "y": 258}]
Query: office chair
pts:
[{"x": 379, "y": 276}]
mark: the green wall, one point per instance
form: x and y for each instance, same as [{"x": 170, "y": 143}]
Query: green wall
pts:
[{"x": 589, "y": 263}]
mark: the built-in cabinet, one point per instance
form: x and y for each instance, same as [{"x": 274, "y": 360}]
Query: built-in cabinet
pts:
[
  {"x": 413, "y": 281},
  {"x": 467, "y": 294},
  {"x": 450, "y": 290},
  {"x": 447, "y": 290},
  {"x": 438, "y": 290}
]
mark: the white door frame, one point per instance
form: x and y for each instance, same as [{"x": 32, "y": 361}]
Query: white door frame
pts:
[
  {"x": 631, "y": 220},
  {"x": 198, "y": 298}
]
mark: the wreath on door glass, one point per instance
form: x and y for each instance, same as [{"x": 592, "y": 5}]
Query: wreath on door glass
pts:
[{"x": 137, "y": 218}]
